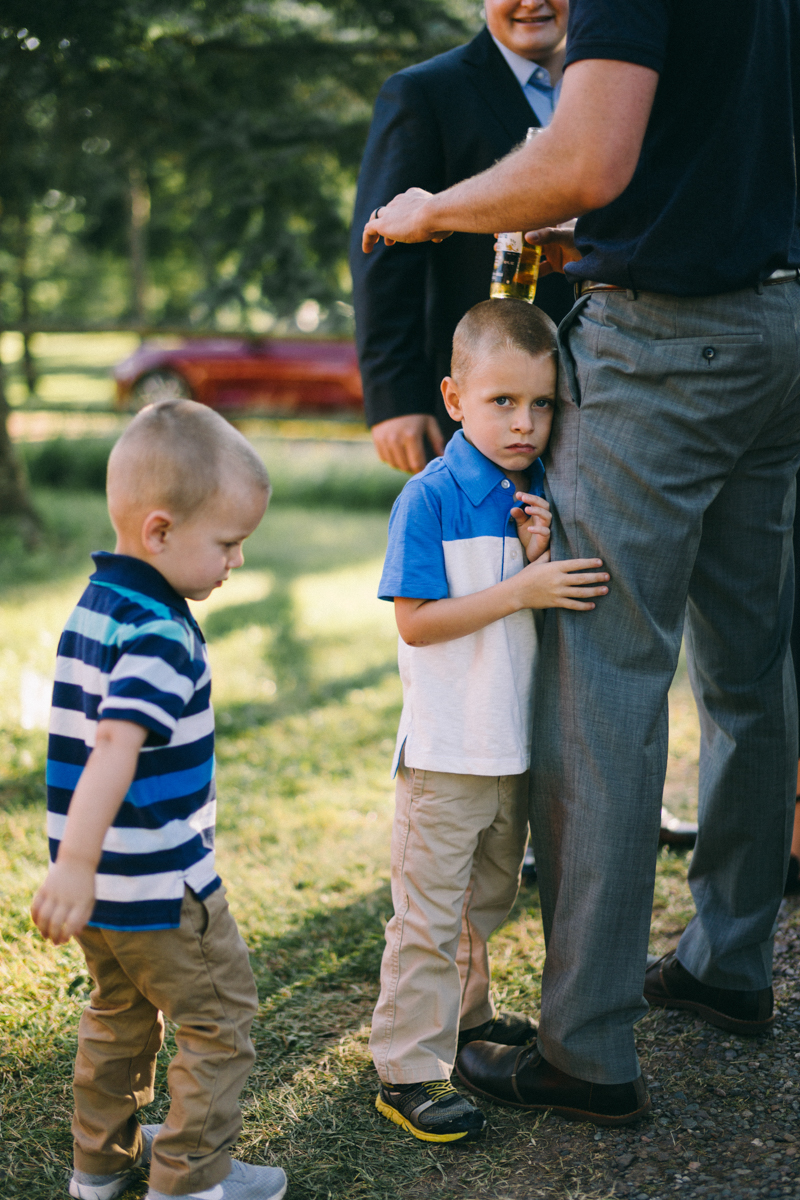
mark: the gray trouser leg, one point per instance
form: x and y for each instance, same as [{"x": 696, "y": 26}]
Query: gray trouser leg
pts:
[
  {"x": 683, "y": 404},
  {"x": 743, "y": 679}
]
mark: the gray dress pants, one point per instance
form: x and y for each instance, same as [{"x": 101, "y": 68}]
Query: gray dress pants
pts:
[{"x": 673, "y": 459}]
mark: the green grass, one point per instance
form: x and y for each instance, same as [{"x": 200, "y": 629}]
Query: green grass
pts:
[
  {"x": 71, "y": 368},
  {"x": 307, "y": 701}
]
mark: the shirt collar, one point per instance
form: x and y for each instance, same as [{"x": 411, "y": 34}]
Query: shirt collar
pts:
[
  {"x": 474, "y": 473},
  {"x": 139, "y": 576},
  {"x": 523, "y": 68}
]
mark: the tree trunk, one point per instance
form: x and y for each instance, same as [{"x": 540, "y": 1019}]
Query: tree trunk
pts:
[
  {"x": 140, "y": 216},
  {"x": 16, "y": 510},
  {"x": 24, "y": 285},
  {"x": 17, "y": 513}
]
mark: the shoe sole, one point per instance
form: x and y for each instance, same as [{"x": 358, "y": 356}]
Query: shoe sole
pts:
[
  {"x": 719, "y": 1019},
  {"x": 678, "y": 841},
  {"x": 103, "y": 1191},
  {"x": 397, "y": 1118},
  {"x": 572, "y": 1114}
]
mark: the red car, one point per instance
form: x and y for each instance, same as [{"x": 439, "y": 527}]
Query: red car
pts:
[{"x": 286, "y": 376}]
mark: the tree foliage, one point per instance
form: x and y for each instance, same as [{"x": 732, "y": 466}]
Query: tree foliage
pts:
[{"x": 239, "y": 123}]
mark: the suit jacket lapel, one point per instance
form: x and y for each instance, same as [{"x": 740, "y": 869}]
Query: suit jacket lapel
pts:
[{"x": 498, "y": 85}]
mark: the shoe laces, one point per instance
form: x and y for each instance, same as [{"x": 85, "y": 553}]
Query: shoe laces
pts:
[{"x": 441, "y": 1090}]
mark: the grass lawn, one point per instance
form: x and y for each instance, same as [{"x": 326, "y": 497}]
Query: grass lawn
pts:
[{"x": 307, "y": 700}]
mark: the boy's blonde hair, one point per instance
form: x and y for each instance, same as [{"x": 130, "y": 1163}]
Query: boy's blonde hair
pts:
[
  {"x": 176, "y": 455},
  {"x": 500, "y": 325}
]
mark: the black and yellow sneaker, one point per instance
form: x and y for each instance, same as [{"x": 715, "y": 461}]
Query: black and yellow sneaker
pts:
[{"x": 432, "y": 1112}]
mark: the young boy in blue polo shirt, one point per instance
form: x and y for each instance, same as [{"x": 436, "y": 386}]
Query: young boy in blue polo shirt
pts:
[
  {"x": 131, "y": 810},
  {"x": 467, "y": 561}
]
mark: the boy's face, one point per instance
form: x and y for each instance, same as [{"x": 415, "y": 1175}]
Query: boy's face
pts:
[
  {"x": 197, "y": 554},
  {"x": 505, "y": 406}
]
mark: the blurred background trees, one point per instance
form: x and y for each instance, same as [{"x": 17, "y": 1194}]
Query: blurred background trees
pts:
[{"x": 194, "y": 161}]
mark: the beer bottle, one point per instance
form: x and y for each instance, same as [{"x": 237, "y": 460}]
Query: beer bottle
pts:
[{"x": 516, "y": 263}]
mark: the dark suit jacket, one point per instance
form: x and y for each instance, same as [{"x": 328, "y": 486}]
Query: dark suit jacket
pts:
[{"x": 434, "y": 124}]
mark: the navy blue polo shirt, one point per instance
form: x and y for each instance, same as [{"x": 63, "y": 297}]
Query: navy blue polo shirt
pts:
[
  {"x": 712, "y": 206},
  {"x": 467, "y": 703}
]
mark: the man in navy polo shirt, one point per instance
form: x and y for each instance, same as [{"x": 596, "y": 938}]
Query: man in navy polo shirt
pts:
[{"x": 674, "y": 460}]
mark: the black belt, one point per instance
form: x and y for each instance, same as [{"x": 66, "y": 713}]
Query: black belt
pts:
[{"x": 782, "y": 275}]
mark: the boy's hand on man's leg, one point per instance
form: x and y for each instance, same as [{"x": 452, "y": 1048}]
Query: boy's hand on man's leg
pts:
[
  {"x": 533, "y": 524},
  {"x": 567, "y": 583},
  {"x": 63, "y": 904}
]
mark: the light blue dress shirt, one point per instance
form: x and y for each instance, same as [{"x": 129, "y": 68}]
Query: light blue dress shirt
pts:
[{"x": 535, "y": 83}]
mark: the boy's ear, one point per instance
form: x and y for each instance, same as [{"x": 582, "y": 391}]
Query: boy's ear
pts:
[
  {"x": 155, "y": 528},
  {"x": 452, "y": 400}
]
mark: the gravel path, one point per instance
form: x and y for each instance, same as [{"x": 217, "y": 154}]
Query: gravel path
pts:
[
  {"x": 725, "y": 1120},
  {"x": 726, "y": 1110}
]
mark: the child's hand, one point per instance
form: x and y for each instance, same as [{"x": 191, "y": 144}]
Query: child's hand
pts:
[
  {"x": 64, "y": 902},
  {"x": 533, "y": 524},
  {"x": 568, "y": 583}
]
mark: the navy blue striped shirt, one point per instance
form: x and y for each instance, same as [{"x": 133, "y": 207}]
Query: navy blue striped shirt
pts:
[{"x": 132, "y": 651}]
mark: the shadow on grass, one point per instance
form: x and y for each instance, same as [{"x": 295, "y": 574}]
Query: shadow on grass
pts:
[
  {"x": 320, "y": 978},
  {"x": 295, "y": 698},
  {"x": 289, "y": 658},
  {"x": 310, "y": 1104}
]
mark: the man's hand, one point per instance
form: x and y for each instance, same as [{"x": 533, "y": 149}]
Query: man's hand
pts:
[
  {"x": 558, "y": 247},
  {"x": 533, "y": 524},
  {"x": 408, "y": 219},
  {"x": 400, "y": 441},
  {"x": 64, "y": 902},
  {"x": 566, "y": 584}
]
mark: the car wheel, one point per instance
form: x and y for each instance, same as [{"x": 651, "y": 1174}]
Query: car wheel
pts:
[{"x": 159, "y": 385}]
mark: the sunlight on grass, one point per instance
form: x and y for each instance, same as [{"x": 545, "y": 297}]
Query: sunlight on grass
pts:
[
  {"x": 72, "y": 368},
  {"x": 307, "y": 700}
]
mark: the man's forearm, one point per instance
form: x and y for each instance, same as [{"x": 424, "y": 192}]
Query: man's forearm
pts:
[
  {"x": 583, "y": 161},
  {"x": 530, "y": 188}
]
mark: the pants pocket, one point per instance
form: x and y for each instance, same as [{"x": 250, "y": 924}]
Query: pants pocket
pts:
[{"x": 566, "y": 358}]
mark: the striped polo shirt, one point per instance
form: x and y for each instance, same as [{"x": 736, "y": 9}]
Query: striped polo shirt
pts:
[
  {"x": 467, "y": 703},
  {"x": 132, "y": 651}
]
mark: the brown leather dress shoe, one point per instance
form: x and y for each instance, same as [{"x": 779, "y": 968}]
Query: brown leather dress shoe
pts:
[
  {"x": 667, "y": 984},
  {"x": 523, "y": 1079},
  {"x": 505, "y": 1028}
]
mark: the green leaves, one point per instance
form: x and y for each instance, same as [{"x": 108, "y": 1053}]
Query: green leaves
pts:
[{"x": 246, "y": 120}]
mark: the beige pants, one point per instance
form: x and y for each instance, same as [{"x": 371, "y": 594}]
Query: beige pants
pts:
[
  {"x": 457, "y": 847},
  {"x": 198, "y": 976}
]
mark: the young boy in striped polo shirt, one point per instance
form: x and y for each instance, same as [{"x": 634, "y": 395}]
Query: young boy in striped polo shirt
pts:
[
  {"x": 131, "y": 810},
  {"x": 467, "y": 561}
]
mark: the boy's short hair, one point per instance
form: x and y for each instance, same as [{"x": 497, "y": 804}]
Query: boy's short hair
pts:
[
  {"x": 175, "y": 454},
  {"x": 500, "y": 325}
]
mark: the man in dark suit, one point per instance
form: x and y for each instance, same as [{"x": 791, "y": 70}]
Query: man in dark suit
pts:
[{"x": 435, "y": 124}]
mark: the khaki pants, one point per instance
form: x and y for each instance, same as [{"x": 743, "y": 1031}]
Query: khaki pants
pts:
[
  {"x": 457, "y": 847},
  {"x": 199, "y": 977}
]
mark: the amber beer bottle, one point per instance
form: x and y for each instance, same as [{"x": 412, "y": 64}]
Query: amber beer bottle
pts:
[{"x": 516, "y": 264}]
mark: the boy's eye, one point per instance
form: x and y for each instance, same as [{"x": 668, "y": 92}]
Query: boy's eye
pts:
[
  {"x": 543, "y": 403},
  {"x": 503, "y": 401}
]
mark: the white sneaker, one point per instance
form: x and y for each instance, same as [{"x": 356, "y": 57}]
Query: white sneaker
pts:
[
  {"x": 244, "y": 1183},
  {"x": 106, "y": 1187}
]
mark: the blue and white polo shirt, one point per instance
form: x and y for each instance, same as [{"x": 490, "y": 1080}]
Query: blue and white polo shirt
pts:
[
  {"x": 467, "y": 704},
  {"x": 132, "y": 651}
]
